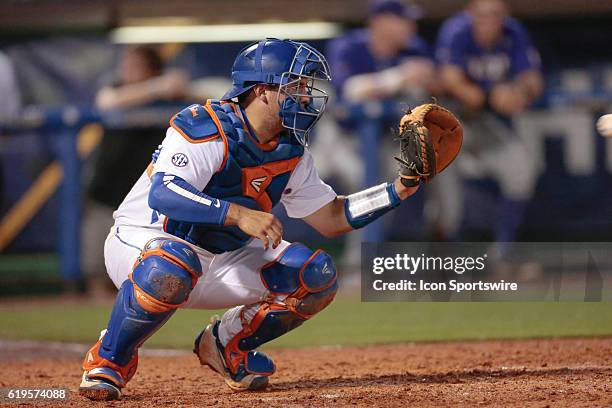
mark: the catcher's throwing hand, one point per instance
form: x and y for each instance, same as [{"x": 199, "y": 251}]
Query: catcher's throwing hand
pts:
[
  {"x": 430, "y": 139},
  {"x": 258, "y": 224}
]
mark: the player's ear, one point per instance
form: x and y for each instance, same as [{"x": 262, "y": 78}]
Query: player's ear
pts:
[{"x": 260, "y": 93}]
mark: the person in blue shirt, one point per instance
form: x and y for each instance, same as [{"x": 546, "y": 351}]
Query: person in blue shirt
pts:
[
  {"x": 487, "y": 60},
  {"x": 491, "y": 70},
  {"x": 384, "y": 59}
]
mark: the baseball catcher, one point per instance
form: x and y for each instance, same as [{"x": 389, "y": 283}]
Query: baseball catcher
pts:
[{"x": 196, "y": 229}]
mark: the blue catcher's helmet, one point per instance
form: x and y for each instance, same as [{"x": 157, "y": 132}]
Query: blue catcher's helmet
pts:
[{"x": 294, "y": 67}]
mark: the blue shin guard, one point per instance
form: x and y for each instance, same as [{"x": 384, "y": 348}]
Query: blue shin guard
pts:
[
  {"x": 307, "y": 282},
  {"x": 161, "y": 281},
  {"x": 129, "y": 326}
]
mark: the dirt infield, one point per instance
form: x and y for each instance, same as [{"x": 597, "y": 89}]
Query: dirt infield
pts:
[{"x": 540, "y": 373}]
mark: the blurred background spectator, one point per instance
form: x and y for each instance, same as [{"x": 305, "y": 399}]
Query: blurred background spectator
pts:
[
  {"x": 490, "y": 69},
  {"x": 123, "y": 155},
  {"x": 9, "y": 90},
  {"x": 9, "y": 108},
  {"x": 385, "y": 61}
]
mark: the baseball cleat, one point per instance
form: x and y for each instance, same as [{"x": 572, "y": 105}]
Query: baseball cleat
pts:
[
  {"x": 98, "y": 386},
  {"x": 250, "y": 376}
]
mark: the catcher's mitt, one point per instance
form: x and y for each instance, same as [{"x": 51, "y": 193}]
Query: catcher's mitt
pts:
[{"x": 430, "y": 139}]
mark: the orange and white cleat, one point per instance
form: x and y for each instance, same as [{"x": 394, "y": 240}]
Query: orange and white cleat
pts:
[
  {"x": 250, "y": 374},
  {"x": 102, "y": 379}
]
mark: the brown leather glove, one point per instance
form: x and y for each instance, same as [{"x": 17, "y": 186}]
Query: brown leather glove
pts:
[{"x": 430, "y": 139}]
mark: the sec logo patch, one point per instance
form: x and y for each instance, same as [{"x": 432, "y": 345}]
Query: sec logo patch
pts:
[{"x": 180, "y": 160}]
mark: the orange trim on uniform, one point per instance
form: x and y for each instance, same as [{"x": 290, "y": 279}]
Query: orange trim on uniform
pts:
[
  {"x": 150, "y": 170},
  {"x": 215, "y": 119},
  {"x": 189, "y": 139},
  {"x": 165, "y": 224},
  {"x": 255, "y": 180}
]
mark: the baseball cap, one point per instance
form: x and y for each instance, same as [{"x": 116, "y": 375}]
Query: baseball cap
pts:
[{"x": 396, "y": 7}]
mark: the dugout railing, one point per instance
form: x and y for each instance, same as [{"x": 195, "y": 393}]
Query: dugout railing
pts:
[{"x": 64, "y": 127}]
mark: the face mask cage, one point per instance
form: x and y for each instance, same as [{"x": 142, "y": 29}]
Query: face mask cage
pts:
[{"x": 303, "y": 103}]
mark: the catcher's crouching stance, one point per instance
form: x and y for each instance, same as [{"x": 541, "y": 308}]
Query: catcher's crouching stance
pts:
[{"x": 183, "y": 237}]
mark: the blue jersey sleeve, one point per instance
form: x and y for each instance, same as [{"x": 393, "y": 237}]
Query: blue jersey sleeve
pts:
[{"x": 180, "y": 201}]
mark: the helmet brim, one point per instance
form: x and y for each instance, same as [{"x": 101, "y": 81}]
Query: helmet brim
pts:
[{"x": 236, "y": 91}]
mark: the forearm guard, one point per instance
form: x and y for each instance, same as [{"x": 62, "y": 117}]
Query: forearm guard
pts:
[{"x": 365, "y": 206}]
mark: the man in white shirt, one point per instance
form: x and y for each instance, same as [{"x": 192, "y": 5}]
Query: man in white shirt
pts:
[{"x": 196, "y": 229}]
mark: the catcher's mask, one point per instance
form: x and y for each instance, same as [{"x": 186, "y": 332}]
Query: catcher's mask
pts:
[{"x": 295, "y": 67}]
